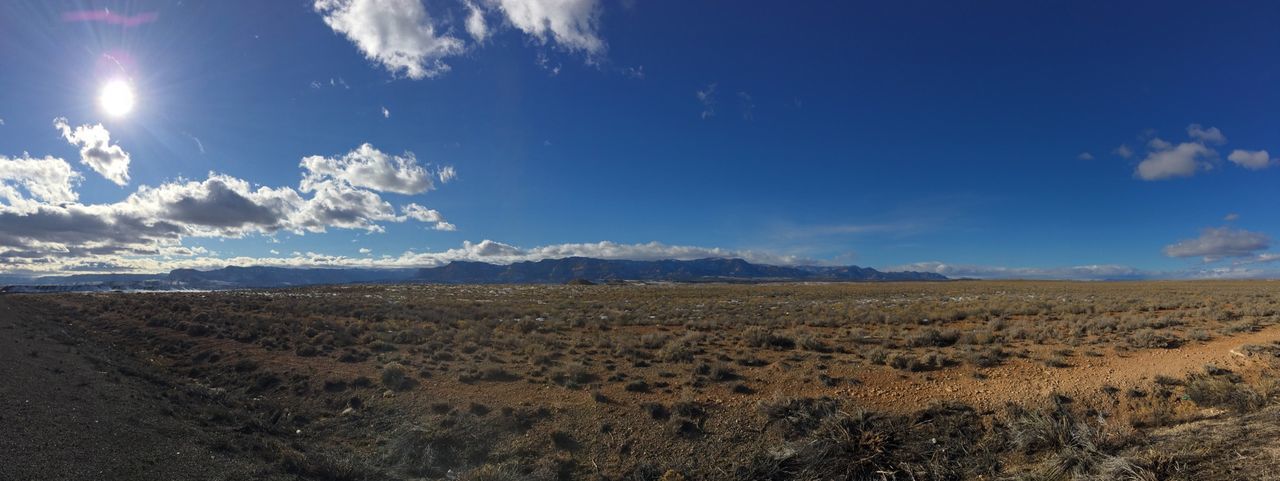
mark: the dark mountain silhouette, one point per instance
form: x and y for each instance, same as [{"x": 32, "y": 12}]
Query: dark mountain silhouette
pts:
[
  {"x": 558, "y": 271},
  {"x": 549, "y": 271},
  {"x": 258, "y": 276}
]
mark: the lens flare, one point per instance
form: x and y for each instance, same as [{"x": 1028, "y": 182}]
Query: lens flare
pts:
[{"x": 116, "y": 98}]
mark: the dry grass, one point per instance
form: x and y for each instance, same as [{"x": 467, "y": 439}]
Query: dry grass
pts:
[{"x": 622, "y": 382}]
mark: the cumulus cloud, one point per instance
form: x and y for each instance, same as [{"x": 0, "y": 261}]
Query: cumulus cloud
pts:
[
  {"x": 656, "y": 251},
  {"x": 402, "y": 37},
  {"x": 1085, "y": 156},
  {"x": 1123, "y": 151},
  {"x": 340, "y": 205},
  {"x": 571, "y": 24},
  {"x": 1252, "y": 160},
  {"x": 1157, "y": 143},
  {"x": 96, "y": 150},
  {"x": 26, "y": 182},
  {"x": 427, "y": 216},
  {"x": 1210, "y": 135},
  {"x": 398, "y": 34},
  {"x": 1181, "y": 161},
  {"x": 219, "y": 206},
  {"x": 386, "y": 114},
  {"x": 1221, "y": 242},
  {"x": 369, "y": 168},
  {"x": 43, "y": 224}
]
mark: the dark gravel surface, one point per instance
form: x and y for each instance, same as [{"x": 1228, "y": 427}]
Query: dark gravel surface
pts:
[{"x": 74, "y": 410}]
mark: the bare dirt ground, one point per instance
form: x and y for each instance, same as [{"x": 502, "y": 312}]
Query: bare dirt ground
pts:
[
  {"x": 72, "y": 409},
  {"x": 1018, "y": 381}
]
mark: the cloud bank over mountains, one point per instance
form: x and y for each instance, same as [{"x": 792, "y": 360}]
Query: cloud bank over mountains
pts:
[{"x": 44, "y": 227}]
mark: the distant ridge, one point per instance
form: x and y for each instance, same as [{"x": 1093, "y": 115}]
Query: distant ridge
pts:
[
  {"x": 549, "y": 271},
  {"x": 559, "y": 271}
]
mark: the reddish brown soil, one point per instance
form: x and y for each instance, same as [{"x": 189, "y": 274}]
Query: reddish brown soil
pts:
[{"x": 1020, "y": 380}]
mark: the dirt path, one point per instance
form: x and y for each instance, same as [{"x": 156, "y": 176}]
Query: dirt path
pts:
[
  {"x": 1021, "y": 380},
  {"x": 73, "y": 409}
]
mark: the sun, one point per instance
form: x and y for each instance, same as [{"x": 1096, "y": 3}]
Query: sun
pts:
[{"x": 116, "y": 98}]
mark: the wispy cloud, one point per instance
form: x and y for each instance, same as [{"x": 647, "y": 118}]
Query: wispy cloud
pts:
[
  {"x": 707, "y": 98},
  {"x": 1083, "y": 272},
  {"x": 199, "y": 144}
]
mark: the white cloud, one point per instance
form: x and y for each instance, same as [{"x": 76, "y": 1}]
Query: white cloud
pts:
[
  {"x": 219, "y": 206},
  {"x": 1232, "y": 217},
  {"x": 199, "y": 144},
  {"x": 1210, "y": 135},
  {"x": 338, "y": 82},
  {"x": 386, "y": 114},
  {"x": 1123, "y": 151},
  {"x": 1157, "y": 143},
  {"x": 96, "y": 150},
  {"x": 398, "y": 34},
  {"x": 446, "y": 174},
  {"x": 572, "y": 24},
  {"x": 484, "y": 251},
  {"x": 427, "y": 216},
  {"x": 338, "y": 204},
  {"x": 369, "y": 168},
  {"x": 655, "y": 251},
  {"x": 707, "y": 97},
  {"x": 42, "y": 224},
  {"x": 1085, "y": 156},
  {"x": 1181, "y": 161},
  {"x": 1217, "y": 243},
  {"x": 364, "y": 250},
  {"x": 45, "y": 180},
  {"x": 1085, "y": 272},
  {"x": 1252, "y": 160},
  {"x": 476, "y": 26}
]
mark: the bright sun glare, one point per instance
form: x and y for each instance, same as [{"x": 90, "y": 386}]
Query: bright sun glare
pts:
[{"x": 116, "y": 98}]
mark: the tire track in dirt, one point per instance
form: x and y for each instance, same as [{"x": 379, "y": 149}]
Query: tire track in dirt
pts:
[{"x": 1022, "y": 380}]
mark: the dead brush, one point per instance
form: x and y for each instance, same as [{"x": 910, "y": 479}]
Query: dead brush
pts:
[
  {"x": 796, "y": 416},
  {"x": 1063, "y": 445},
  {"x": 1147, "y": 338},
  {"x": 1221, "y": 388},
  {"x": 764, "y": 338},
  {"x": 435, "y": 451}
]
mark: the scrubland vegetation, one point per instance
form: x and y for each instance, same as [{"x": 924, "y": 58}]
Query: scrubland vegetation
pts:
[{"x": 771, "y": 382}]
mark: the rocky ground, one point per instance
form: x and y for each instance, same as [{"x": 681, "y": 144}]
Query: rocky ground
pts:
[{"x": 74, "y": 409}]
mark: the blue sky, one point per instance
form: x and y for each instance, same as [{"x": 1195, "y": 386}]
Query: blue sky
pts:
[{"x": 971, "y": 139}]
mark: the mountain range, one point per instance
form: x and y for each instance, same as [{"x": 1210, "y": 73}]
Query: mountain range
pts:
[{"x": 549, "y": 271}]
